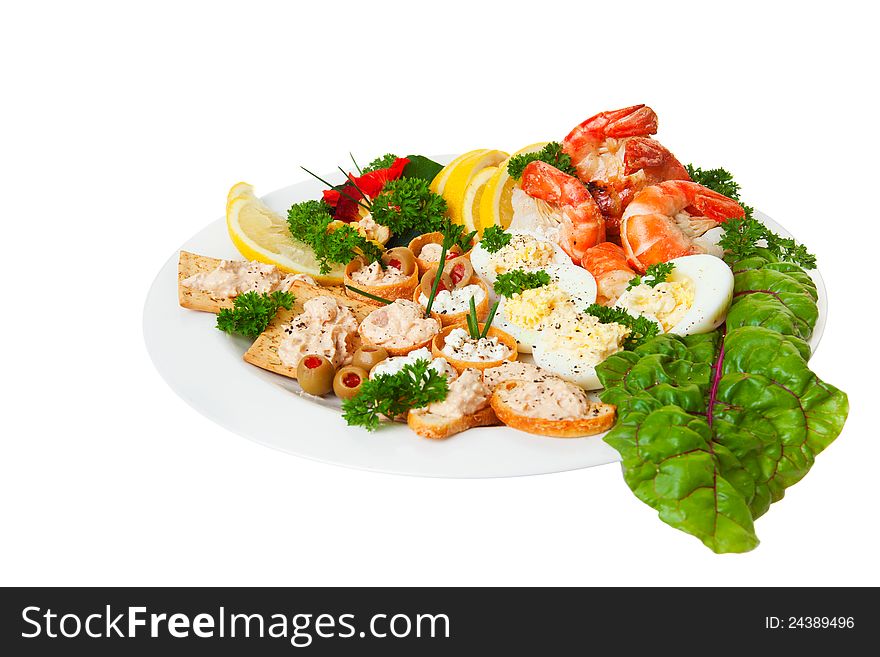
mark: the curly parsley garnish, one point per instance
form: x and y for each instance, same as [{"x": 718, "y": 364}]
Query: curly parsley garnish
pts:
[
  {"x": 408, "y": 204},
  {"x": 455, "y": 233},
  {"x": 744, "y": 236},
  {"x": 517, "y": 280},
  {"x": 332, "y": 242},
  {"x": 380, "y": 163},
  {"x": 551, "y": 154},
  {"x": 641, "y": 328},
  {"x": 252, "y": 312},
  {"x": 655, "y": 275},
  {"x": 495, "y": 238},
  {"x": 719, "y": 180},
  {"x": 392, "y": 395}
]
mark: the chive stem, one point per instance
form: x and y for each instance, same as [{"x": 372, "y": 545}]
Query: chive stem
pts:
[
  {"x": 472, "y": 320},
  {"x": 440, "y": 265},
  {"x": 489, "y": 319},
  {"x": 368, "y": 295},
  {"x": 350, "y": 179},
  {"x": 356, "y": 165},
  {"x": 332, "y": 186}
]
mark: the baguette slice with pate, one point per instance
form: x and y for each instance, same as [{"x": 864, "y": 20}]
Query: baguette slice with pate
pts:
[
  {"x": 597, "y": 418},
  {"x": 466, "y": 406},
  {"x": 438, "y": 427}
]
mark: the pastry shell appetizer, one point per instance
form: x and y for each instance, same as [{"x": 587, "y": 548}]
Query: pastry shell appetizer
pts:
[
  {"x": 418, "y": 243},
  {"x": 399, "y": 259},
  {"x": 461, "y": 365},
  {"x": 598, "y": 418},
  {"x": 450, "y": 319},
  {"x": 385, "y": 327}
]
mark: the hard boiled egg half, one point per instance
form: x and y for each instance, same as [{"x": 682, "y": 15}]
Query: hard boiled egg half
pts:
[
  {"x": 527, "y": 314},
  {"x": 694, "y": 299},
  {"x": 526, "y": 250}
]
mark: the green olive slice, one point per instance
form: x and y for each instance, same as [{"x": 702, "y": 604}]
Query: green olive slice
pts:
[
  {"x": 368, "y": 357},
  {"x": 460, "y": 271},
  {"x": 348, "y": 380},
  {"x": 400, "y": 257},
  {"x": 428, "y": 282}
]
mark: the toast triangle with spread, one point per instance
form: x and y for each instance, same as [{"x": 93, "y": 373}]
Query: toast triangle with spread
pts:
[{"x": 190, "y": 264}]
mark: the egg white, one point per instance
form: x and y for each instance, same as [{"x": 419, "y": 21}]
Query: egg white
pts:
[
  {"x": 576, "y": 281},
  {"x": 713, "y": 292},
  {"x": 566, "y": 366}
]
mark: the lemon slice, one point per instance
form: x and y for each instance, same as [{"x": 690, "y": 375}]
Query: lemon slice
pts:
[
  {"x": 439, "y": 183},
  {"x": 460, "y": 177},
  {"x": 259, "y": 233},
  {"x": 472, "y": 196},
  {"x": 496, "y": 208}
]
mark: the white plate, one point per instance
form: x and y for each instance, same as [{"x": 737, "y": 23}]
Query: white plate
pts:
[{"x": 204, "y": 367}]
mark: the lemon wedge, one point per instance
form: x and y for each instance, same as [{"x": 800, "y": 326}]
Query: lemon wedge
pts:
[
  {"x": 260, "y": 233},
  {"x": 496, "y": 208}
]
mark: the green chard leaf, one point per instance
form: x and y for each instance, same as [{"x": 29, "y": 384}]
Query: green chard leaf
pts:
[
  {"x": 252, "y": 312},
  {"x": 552, "y": 154},
  {"x": 713, "y": 428}
]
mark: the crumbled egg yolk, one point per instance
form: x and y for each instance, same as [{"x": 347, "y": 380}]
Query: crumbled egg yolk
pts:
[
  {"x": 584, "y": 336},
  {"x": 530, "y": 308},
  {"x": 522, "y": 251},
  {"x": 667, "y": 302}
]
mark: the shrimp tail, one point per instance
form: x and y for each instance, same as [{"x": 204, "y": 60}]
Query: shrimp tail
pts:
[{"x": 657, "y": 161}]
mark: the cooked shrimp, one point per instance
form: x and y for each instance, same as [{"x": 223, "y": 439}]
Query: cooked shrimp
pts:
[
  {"x": 607, "y": 263},
  {"x": 583, "y": 225},
  {"x": 662, "y": 221},
  {"x": 614, "y": 154}
]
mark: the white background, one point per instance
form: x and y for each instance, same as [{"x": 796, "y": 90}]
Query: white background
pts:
[{"x": 122, "y": 130}]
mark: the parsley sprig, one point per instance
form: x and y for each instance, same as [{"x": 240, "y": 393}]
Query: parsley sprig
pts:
[
  {"x": 380, "y": 163},
  {"x": 252, "y": 312},
  {"x": 392, "y": 395},
  {"x": 655, "y": 275},
  {"x": 551, "y": 154},
  {"x": 495, "y": 238},
  {"x": 455, "y": 232},
  {"x": 719, "y": 180},
  {"x": 407, "y": 204},
  {"x": 641, "y": 328},
  {"x": 332, "y": 242},
  {"x": 744, "y": 236},
  {"x": 517, "y": 280}
]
